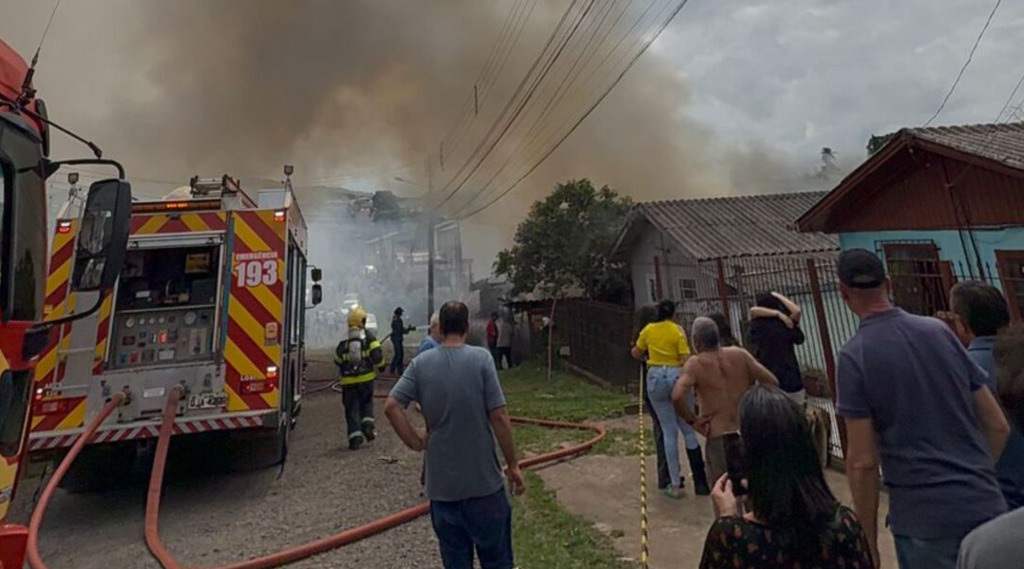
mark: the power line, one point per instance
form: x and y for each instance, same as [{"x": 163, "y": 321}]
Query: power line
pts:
[
  {"x": 636, "y": 57},
  {"x": 525, "y": 100},
  {"x": 970, "y": 57},
  {"x": 535, "y": 134},
  {"x": 500, "y": 53},
  {"x": 543, "y": 118}
]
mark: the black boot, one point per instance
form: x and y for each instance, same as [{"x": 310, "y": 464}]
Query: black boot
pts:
[
  {"x": 355, "y": 443},
  {"x": 700, "y": 477},
  {"x": 369, "y": 430}
]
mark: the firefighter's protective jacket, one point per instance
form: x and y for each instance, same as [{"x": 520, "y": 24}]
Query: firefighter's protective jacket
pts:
[{"x": 359, "y": 357}]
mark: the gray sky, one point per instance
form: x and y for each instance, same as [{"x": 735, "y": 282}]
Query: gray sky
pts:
[
  {"x": 738, "y": 96},
  {"x": 802, "y": 74}
]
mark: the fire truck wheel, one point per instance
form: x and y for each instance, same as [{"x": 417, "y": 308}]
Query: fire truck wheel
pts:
[{"x": 99, "y": 467}]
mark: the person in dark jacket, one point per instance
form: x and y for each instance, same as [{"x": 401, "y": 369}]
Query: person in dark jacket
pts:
[
  {"x": 773, "y": 337},
  {"x": 398, "y": 332}
]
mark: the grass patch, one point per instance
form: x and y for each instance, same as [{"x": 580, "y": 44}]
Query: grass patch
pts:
[
  {"x": 564, "y": 398},
  {"x": 534, "y": 439},
  {"x": 545, "y": 536},
  {"x": 622, "y": 442}
]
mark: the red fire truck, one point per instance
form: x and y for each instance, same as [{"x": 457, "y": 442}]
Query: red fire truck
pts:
[
  {"x": 24, "y": 167},
  {"x": 211, "y": 298}
]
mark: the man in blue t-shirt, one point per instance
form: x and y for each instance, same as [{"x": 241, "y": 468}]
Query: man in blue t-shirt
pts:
[
  {"x": 979, "y": 313},
  {"x": 913, "y": 400},
  {"x": 463, "y": 406}
]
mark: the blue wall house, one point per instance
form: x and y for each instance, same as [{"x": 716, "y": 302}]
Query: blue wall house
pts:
[{"x": 938, "y": 205}]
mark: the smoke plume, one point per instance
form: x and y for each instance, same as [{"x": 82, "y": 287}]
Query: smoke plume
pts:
[{"x": 243, "y": 86}]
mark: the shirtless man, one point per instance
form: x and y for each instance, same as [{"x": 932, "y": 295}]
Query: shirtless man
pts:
[{"x": 720, "y": 376}]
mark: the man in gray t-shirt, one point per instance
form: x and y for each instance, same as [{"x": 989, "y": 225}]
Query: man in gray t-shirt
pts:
[{"x": 457, "y": 388}]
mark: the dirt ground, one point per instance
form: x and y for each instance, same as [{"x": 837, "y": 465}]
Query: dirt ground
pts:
[
  {"x": 213, "y": 517},
  {"x": 605, "y": 490}
]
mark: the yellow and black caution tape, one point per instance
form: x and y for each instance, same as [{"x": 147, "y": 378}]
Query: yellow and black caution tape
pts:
[{"x": 642, "y": 448}]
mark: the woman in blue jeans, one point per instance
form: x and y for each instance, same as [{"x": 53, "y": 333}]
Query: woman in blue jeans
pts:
[{"x": 665, "y": 346}]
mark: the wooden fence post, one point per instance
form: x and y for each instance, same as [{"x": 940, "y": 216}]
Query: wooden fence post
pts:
[{"x": 723, "y": 291}]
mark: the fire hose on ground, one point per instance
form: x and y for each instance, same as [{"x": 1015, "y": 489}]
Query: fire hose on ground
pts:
[{"x": 285, "y": 556}]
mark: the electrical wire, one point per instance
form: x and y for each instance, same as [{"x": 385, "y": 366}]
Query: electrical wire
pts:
[
  {"x": 485, "y": 91},
  {"x": 585, "y": 89},
  {"x": 967, "y": 63},
  {"x": 647, "y": 44},
  {"x": 544, "y": 118},
  {"x": 523, "y": 102},
  {"x": 484, "y": 74}
]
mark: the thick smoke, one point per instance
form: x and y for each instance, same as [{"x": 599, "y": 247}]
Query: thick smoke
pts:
[{"x": 243, "y": 86}]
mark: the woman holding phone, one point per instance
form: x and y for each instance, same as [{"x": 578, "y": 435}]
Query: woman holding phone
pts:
[{"x": 793, "y": 519}]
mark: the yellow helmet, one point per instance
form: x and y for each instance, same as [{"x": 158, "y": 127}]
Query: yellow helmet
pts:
[{"x": 357, "y": 317}]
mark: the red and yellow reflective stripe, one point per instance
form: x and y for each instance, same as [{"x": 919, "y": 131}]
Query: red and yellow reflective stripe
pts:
[
  {"x": 59, "y": 301},
  {"x": 102, "y": 332},
  {"x": 162, "y": 223},
  {"x": 8, "y": 465},
  {"x": 255, "y": 309}
]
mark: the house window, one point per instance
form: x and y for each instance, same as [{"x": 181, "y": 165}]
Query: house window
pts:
[
  {"x": 1011, "y": 273},
  {"x": 652, "y": 289},
  {"x": 687, "y": 289},
  {"x": 919, "y": 281}
]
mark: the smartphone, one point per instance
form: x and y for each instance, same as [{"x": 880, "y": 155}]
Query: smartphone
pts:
[{"x": 735, "y": 463}]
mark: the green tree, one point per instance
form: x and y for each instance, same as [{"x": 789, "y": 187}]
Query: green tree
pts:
[{"x": 564, "y": 240}]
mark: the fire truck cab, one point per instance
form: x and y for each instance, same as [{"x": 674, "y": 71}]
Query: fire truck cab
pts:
[
  {"x": 24, "y": 167},
  {"x": 211, "y": 297}
]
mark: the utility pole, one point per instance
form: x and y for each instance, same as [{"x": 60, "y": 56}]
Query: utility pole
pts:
[{"x": 430, "y": 241}]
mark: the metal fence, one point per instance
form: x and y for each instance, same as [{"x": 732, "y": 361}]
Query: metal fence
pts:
[
  {"x": 596, "y": 336},
  {"x": 811, "y": 282}
]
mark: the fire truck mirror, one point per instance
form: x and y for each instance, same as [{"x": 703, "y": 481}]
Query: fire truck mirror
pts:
[
  {"x": 317, "y": 274},
  {"x": 104, "y": 235},
  {"x": 316, "y": 294}
]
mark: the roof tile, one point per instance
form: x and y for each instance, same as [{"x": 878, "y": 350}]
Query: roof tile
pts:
[
  {"x": 1002, "y": 142},
  {"x": 738, "y": 226}
]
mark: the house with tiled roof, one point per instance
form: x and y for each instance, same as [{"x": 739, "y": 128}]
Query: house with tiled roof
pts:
[
  {"x": 674, "y": 248},
  {"x": 938, "y": 205}
]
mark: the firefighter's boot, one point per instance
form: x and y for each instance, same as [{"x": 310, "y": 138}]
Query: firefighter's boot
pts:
[
  {"x": 355, "y": 442},
  {"x": 369, "y": 429},
  {"x": 700, "y": 477}
]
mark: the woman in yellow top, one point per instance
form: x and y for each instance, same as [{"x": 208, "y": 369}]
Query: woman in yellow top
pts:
[{"x": 664, "y": 343}]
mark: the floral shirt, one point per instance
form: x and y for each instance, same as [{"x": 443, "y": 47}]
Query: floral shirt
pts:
[{"x": 734, "y": 543}]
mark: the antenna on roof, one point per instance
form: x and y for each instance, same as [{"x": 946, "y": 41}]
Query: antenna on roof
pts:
[{"x": 27, "y": 91}]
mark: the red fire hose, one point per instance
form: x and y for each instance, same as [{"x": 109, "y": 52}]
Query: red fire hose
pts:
[
  {"x": 34, "y": 559},
  {"x": 291, "y": 554}
]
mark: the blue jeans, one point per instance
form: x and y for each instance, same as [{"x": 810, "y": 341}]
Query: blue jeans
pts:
[
  {"x": 913, "y": 553},
  {"x": 482, "y": 523},
  {"x": 660, "y": 381}
]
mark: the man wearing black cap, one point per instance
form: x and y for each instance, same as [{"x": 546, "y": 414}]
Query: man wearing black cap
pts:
[{"x": 912, "y": 400}]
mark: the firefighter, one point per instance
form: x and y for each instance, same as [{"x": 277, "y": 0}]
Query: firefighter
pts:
[
  {"x": 398, "y": 332},
  {"x": 359, "y": 358}
]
